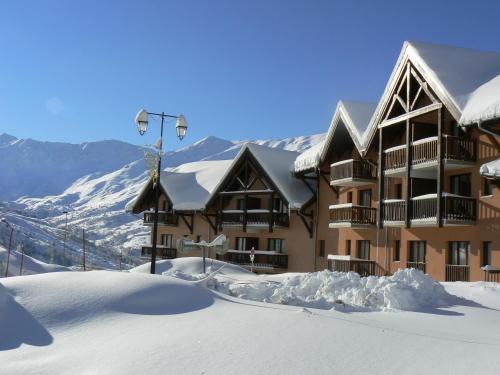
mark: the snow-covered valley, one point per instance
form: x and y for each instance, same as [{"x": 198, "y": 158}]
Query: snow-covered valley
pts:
[
  {"x": 42, "y": 180},
  {"x": 110, "y": 322}
]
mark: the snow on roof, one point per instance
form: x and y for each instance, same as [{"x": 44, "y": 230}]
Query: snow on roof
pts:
[
  {"x": 491, "y": 169},
  {"x": 356, "y": 117},
  {"x": 277, "y": 164},
  {"x": 483, "y": 104},
  {"x": 454, "y": 73},
  {"x": 309, "y": 159},
  {"x": 189, "y": 185}
]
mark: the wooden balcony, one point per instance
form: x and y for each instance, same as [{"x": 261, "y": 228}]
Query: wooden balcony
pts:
[
  {"x": 457, "y": 152},
  {"x": 161, "y": 252},
  {"x": 255, "y": 218},
  {"x": 394, "y": 212},
  {"x": 346, "y": 263},
  {"x": 264, "y": 261},
  {"x": 352, "y": 173},
  {"x": 352, "y": 216},
  {"x": 417, "y": 265},
  {"x": 491, "y": 273},
  {"x": 456, "y": 210},
  {"x": 457, "y": 273},
  {"x": 164, "y": 218}
]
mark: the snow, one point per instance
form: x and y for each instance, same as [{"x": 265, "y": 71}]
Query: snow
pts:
[
  {"x": 424, "y": 140},
  {"x": 132, "y": 322},
  {"x": 340, "y": 205},
  {"x": 31, "y": 265},
  {"x": 483, "y": 104},
  {"x": 491, "y": 169},
  {"x": 277, "y": 164},
  {"x": 309, "y": 159}
]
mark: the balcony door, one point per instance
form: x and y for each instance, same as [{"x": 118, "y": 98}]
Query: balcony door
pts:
[
  {"x": 417, "y": 251},
  {"x": 365, "y": 198},
  {"x": 364, "y": 249},
  {"x": 459, "y": 253},
  {"x": 246, "y": 243},
  {"x": 461, "y": 185},
  {"x": 166, "y": 240}
]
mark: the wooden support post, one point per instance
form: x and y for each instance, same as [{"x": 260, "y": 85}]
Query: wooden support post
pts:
[
  {"x": 381, "y": 178},
  {"x": 440, "y": 169},
  {"x": 408, "y": 175},
  {"x": 219, "y": 213},
  {"x": 271, "y": 213},
  {"x": 408, "y": 152},
  {"x": 245, "y": 215}
]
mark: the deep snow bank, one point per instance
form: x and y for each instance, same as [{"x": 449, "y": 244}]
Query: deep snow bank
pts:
[{"x": 407, "y": 289}]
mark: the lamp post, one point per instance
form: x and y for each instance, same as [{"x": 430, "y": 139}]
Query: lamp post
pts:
[
  {"x": 3, "y": 220},
  {"x": 142, "y": 121}
]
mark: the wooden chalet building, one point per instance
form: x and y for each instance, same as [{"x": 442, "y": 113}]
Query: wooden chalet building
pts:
[
  {"x": 254, "y": 200},
  {"x": 412, "y": 181}
]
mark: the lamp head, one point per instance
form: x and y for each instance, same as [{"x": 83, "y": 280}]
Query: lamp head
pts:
[
  {"x": 181, "y": 126},
  {"x": 141, "y": 120}
]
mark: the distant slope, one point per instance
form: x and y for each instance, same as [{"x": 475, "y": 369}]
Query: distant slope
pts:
[{"x": 51, "y": 178}]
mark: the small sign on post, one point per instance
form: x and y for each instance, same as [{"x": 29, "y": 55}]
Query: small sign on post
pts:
[{"x": 252, "y": 257}]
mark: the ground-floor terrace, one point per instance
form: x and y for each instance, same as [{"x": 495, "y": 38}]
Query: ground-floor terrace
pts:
[{"x": 460, "y": 253}]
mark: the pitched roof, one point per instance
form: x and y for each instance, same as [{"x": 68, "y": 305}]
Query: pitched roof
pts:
[
  {"x": 188, "y": 186},
  {"x": 277, "y": 165},
  {"x": 454, "y": 73}
]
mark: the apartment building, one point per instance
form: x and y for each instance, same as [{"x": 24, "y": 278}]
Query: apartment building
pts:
[
  {"x": 416, "y": 183},
  {"x": 410, "y": 181},
  {"x": 254, "y": 200}
]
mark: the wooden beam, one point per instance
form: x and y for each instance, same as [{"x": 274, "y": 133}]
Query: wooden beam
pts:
[
  {"x": 271, "y": 214},
  {"x": 440, "y": 175},
  {"x": 410, "y": 115},
  {"x": 212, "y": 224},
  {"x": 309, "y": 226},
  {"x": 189, "y": 225},
  {"x": 424, "y": 85},
  {"x": 246, "y": 192},
  {"x": 408, "y": 175},
  {"x": 381, "y": 181}
]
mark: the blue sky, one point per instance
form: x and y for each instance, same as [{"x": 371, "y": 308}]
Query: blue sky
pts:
[{"x": 79, "y": 70}]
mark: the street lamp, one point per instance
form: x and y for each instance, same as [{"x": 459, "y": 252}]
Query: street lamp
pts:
[
  {"x": 142, "y": 122},
  {"x": 3, "y": 220}
]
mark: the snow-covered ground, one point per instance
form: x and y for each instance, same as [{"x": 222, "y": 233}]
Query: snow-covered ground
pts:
[
  {"x": 181, "y": 322},
  {"x": 21, "y": 264}
]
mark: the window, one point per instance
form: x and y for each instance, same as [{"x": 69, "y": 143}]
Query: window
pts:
[
  {"x": 166, "y": 240},
  {"x": 399, "y": 191},
  {"x": 348, "y": 247},
  {"x": 349, "y": 197},
  {"x": 487, "y": 188},
  {"x": 240, "y": 204},
  {"x": 166, "y": 206},
  {"x": 461, "y": 185},
  {"x": 198, "y": 238},
  {"x": 397, "y": 250},
  {"x": 276, "y": 244},
  {"x": 459, "y": 253},
  {"x": 417, "y": 251},
  {"x": 321, "y": 248},
  {"x": 365, "y": 198},
  {"x": 364, "y": 249},
  {"x": 486, "y": 254},
  {"x": 246, "y": 243}
]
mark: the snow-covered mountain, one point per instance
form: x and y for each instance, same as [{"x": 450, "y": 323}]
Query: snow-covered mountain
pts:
[{"x": 42, "y": 180}]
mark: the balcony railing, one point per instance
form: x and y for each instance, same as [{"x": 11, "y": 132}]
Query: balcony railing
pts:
[
  {"x": 491, "y": 273},
  {"x": 161, "y": 251},
  {"x": 353, "y": 215},
  {"x": 262, "y": 259},
  {"x": 394, "y": 210},
  {"x": 353, "y": 169},
  {"x": 455, "y": 209},
  {"x": 426, "y": 151},
  {"x": 164, "y": 218},
  {"x": 360, "y": 266},
  {"x": 255, "y": 217},
  {"x": 457, "y": 273},
  {"x": 417, "y": 265}
]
